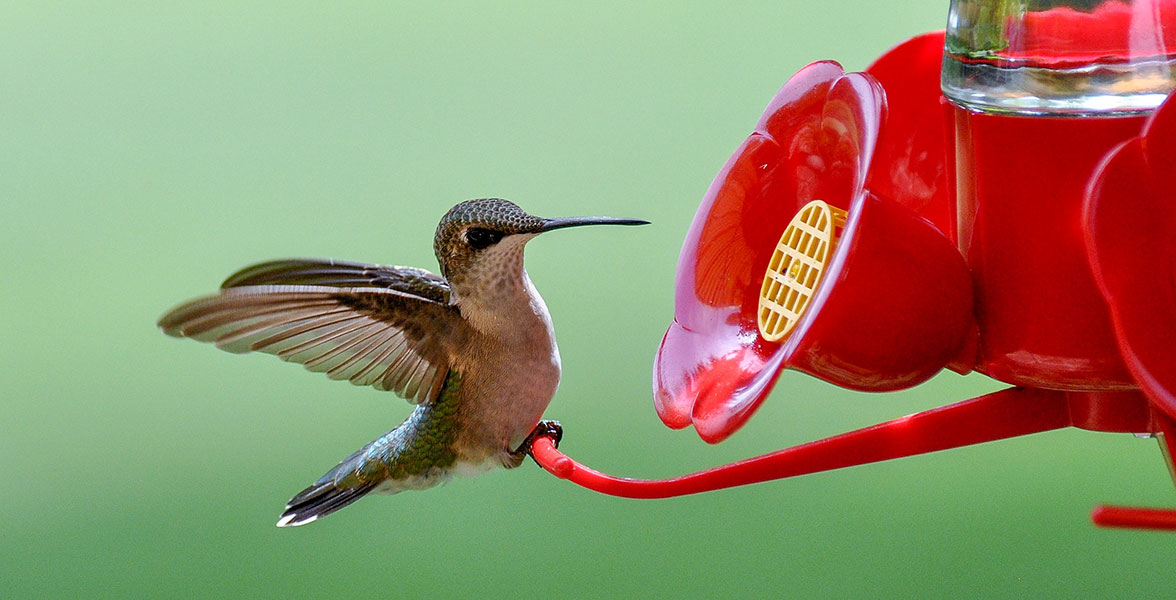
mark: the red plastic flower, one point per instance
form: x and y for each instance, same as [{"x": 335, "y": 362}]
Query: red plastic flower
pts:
[
  {"x": 818, "y": 139},
  {"x": 1131, "y": 243}
]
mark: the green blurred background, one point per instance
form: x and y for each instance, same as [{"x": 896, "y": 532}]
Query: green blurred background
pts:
[{"x": 150, "y": 149}]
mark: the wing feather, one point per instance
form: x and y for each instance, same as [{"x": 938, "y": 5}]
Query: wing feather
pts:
[
  {"x": 367, "y": 374},
  {"x": 204, "y": 327},
  {"x": 325, "y": 322},
  {"x": 381, "y": 337},
  {"x": 347, "y": 368},
  {"x": 344, "y": 274}
]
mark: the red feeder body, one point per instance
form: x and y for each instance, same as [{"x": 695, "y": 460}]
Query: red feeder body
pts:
[
  {"x": 1023, "y": 230},
  {"x": 1043, "y": 322}
]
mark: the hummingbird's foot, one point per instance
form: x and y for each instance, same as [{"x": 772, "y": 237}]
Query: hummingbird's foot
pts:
[{"x": 551, "y": 429}]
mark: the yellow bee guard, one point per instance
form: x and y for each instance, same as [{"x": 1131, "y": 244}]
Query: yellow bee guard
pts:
[{"x": 796, "y": 267}]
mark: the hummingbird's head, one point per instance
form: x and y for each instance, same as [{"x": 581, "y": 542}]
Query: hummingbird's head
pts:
[{"x": 479, "y": 241}]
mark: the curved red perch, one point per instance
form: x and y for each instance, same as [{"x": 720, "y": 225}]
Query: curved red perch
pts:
[
  {"x": 1008, "y": 413},
  {"x": 1134, "y": 518}
]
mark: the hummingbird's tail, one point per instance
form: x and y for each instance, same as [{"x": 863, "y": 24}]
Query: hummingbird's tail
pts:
[
  {"x": 320, "y": 500},
  {"x": 349, "y": 481},
  {"x": 412, "y": 456}
]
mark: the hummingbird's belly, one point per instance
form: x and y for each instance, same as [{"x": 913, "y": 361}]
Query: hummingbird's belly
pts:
[
  {"x": 510, "y": 371},
  {"x": 473, "y": 468},
  {"x": 505, "y": 403}
]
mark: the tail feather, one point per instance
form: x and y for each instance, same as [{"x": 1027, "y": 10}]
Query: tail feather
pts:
[
  {"x": 320, "y": 500},
  {"x": 380, "y": 465}
]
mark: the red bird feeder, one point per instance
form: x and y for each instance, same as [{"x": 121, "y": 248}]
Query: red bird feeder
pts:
[{"x": 1001, "y": 198}]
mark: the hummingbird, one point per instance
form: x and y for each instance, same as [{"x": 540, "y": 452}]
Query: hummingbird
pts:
[{"x": 473, "y": 348}]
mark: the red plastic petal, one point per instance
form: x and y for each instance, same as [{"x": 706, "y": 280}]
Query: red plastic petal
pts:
[
  {"x": 815, "y": 141},
  {"x": 1159, "y": 144},
  {"x": 910, "y": 166},
  {"x": 1131, "y": 240}
]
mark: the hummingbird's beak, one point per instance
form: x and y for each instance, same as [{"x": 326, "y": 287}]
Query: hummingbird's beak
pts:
[{"x": 549, "y": 224}]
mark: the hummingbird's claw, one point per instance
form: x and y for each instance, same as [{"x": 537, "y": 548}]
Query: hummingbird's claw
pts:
[{"x": 551, "y": 429}]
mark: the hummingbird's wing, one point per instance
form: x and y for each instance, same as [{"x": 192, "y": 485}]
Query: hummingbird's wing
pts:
[
  {"x": 338, "y": 273},
  {"x": 385, "y": 338}
]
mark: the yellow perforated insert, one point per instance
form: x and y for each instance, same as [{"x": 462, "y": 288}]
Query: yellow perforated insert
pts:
[{"x": 796, "y": 267}]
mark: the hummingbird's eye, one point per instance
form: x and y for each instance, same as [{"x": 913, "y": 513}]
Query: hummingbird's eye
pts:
[{"x": 479, "y": 237}]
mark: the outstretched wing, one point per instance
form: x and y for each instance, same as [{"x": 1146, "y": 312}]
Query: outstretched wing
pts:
[
  {"x": 385, "y": 338},
  {"x": 338, "y": 273}
]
